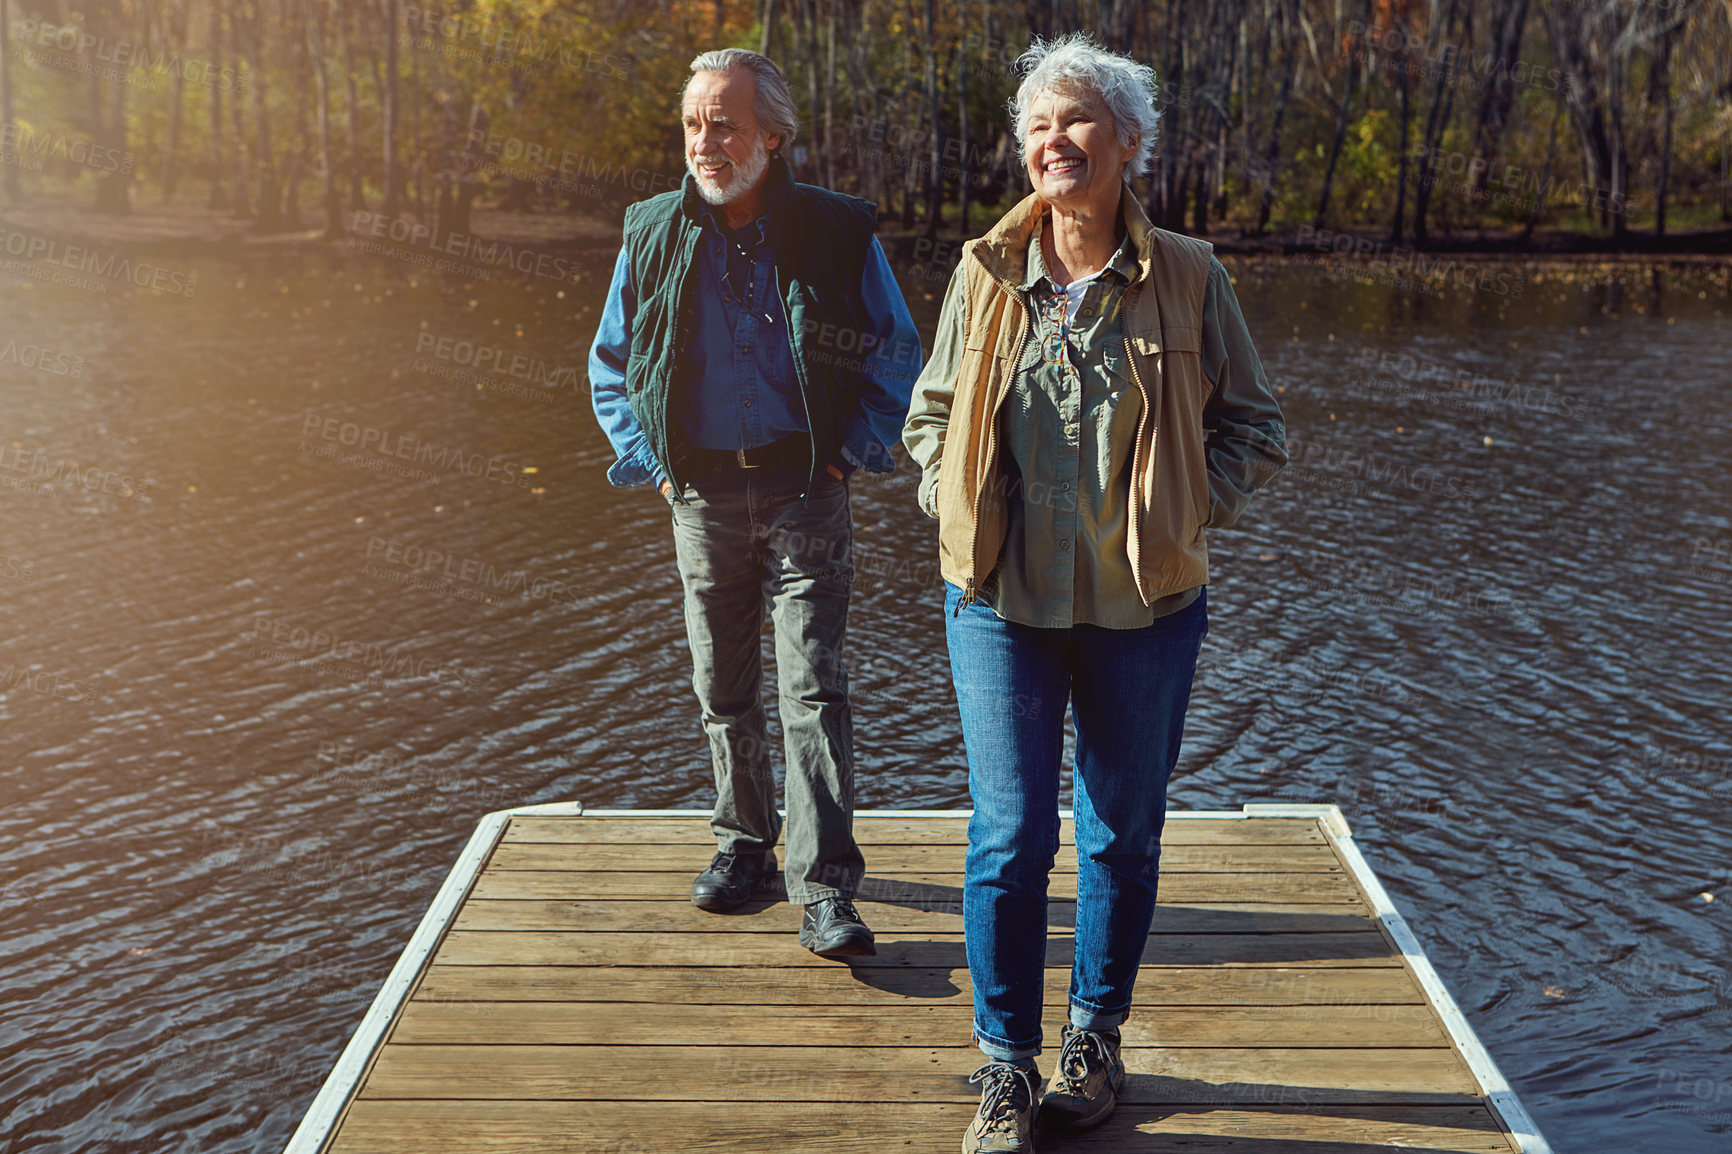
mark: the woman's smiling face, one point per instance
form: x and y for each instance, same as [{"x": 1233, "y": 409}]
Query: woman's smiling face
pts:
[{"x": 1072, "y": 148}]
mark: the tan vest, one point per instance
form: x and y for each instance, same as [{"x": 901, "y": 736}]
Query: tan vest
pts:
[{"x": 1163, "y": 328}]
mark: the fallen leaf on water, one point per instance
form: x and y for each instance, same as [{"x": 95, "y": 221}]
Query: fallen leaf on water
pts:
[{"x": 1553, "y": 991}]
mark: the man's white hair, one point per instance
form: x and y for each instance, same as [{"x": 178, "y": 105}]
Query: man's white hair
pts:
[
  {"x": 777, "y": 113},
  {"x": 1075, "y": 61}
]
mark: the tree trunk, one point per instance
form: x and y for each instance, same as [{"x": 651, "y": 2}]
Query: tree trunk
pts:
[
  {"x": 964, "y": 166},
  {"x": 769, "y": 25},
  {"x": 1406, "y": 88},
  {"x": 1342, "y": 116},
  {"x": 1436, "y": 121},
  {"x": 1272, "y": 154},
  {"x": 214, "y": 29},
  {"x": 935, "y": 179},
  {"x": 14, "y": 193},
  {"x": 269, "y": 217},
  {"x": 178, "y": 16},
  {"x": 316, "y": 49},
  {"x": 393, "y": 194},
  {"x": 243, "y": 149},
  {"x": 1115, "y": 24},
  {"x": 113, "y": 189},
  {"x": 357, "y": 190},
  {"x": 1545, "y": 176},
  {"x": 1660, "y": 77},
  {"x": 1500, "y": 91}
]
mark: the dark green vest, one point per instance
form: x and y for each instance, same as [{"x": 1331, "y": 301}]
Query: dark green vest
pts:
[{"x": 820, "y": 239}]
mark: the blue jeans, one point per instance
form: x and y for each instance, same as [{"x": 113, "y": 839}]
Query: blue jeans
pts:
[{"x": 1129, "y": 690}]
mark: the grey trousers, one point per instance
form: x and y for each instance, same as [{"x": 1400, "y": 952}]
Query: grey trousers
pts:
[{"x": 745, "y": 539}]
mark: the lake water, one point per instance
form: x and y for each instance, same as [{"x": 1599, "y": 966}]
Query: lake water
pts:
[{"x": 287, "y": 602}]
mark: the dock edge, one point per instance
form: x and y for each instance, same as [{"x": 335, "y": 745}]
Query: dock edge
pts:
[
  {"x": 1499, "y": 1096},
  {"x": 319, "y": 1125}
]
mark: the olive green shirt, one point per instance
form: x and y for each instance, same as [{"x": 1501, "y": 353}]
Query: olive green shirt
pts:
[{"x": 1067, "y": 429}]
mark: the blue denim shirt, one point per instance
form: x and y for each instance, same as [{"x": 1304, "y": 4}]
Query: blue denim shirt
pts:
[
  {"x": 743, "y": 365},
  {"x": 749, "y": 395}
]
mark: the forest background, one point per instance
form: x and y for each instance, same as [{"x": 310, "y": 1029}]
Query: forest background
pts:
[{"x": 1586, "y": 123}]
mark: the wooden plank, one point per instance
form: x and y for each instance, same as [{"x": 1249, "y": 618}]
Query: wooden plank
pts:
[
  {"x": 839, "y": 986},
  {"x": 1164, "y": 1075},
  {"x": 378, "y": 1126},
  {"x": 779, "y": 917},
  {"x": 920, "y": 888},
  {"x": 565, "y": 1023},
  {"x": 1239, "y": 859},
  {"x": 553, "y": 948},
  {"x": 889, "y": 831}
]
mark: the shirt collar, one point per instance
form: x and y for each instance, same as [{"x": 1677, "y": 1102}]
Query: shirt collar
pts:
[
  {"x": 1124, "y": 263},
  {"x": 756, "y": 233}
]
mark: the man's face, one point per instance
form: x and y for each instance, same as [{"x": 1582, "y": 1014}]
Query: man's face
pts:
[{"x": 726, "y": 152}]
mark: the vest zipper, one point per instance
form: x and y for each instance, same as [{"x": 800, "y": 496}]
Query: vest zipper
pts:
[
  {"x": 800, "y": 374},
  {"x": 1135, "y": 537},
  {"x": 967, "y": 598},
  {"x": 968, "y": 593}
]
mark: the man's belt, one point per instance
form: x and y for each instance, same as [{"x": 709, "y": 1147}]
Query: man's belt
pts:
[{"x": 791, "y": 452}]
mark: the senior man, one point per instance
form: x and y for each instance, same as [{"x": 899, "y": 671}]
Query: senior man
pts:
[{"x": 753, "y": 352}]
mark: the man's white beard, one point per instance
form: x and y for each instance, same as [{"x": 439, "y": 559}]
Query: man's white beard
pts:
[{"x": 745, "y": 178}]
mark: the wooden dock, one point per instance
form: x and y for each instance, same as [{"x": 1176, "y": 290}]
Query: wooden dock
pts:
[{"x": 563, "y": 995}]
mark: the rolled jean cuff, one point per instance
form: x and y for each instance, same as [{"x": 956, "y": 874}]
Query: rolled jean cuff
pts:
[
  {"x": 1086, "y": 1017},
  {"x": 1004, "y": 1051}
]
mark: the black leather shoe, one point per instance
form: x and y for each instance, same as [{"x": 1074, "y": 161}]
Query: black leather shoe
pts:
[
  {"x": 729, "y": 881},
  {"x": 831, "y": 929}
]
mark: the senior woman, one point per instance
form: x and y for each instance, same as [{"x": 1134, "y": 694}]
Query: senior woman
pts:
[{"x": 1093, "y": 404}]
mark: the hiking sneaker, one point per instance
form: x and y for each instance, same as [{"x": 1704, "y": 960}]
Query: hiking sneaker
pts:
[
  {"x": 729, "y": 881},
  {"x": 1004, "y": 1124},
  {"x": 831, "y": 928},
  {"x": 1085, "y": 1087}
]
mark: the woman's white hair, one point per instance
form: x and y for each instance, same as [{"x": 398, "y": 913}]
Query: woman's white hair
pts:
[{"x": 1077, "y": 61}]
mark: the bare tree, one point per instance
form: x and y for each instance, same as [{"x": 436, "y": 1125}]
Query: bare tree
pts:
[
  {"x": 218, "y": 198},
  {"x": 393, "y": 194},
  {"x": 316, "y": 49},
  {"x": 13, "y": 192}
]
